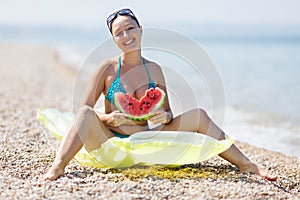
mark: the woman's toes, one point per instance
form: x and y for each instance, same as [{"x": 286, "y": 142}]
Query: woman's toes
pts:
[{"x": 253, "y": 168}]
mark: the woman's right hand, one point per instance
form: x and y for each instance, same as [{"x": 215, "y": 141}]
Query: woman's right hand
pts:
[{"x": 116, "y": 118}]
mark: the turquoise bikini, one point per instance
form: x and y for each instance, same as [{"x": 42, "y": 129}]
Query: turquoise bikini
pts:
[{"x": 117, "y": 86}]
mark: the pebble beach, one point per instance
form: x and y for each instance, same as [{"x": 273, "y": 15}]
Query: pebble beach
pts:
[{"x": 31, "y": 77}]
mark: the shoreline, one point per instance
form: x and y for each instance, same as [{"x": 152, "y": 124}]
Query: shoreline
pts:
[
  {"x": 263, "y": 132},
  {"x": 32, "y": 77}
]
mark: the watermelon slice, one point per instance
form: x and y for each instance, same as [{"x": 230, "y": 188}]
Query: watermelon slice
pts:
[{"x": 143, "y": 109}]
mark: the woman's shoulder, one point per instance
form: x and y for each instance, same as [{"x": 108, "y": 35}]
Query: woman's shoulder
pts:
[
  {"x": 152, "y": 65},
  {"x": 108, "y": 62},
  {"x": 107, "y": 65}
]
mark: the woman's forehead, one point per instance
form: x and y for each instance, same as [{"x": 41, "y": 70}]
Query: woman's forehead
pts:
[{"x": 122, "y": 21}]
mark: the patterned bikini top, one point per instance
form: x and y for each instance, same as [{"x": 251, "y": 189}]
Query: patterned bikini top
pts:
[{"x": 117, "y": 85}]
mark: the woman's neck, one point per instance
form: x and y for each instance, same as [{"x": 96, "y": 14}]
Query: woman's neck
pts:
[{"x": 132, "y": 59}]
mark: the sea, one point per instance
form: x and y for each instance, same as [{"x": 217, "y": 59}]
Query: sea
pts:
[{"x": 255, "y": 81}]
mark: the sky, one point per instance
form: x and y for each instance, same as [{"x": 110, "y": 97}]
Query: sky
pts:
[{"x": 151, "y": 13}]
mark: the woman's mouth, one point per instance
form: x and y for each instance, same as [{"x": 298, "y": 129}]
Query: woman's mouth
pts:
[{"x": 129, "y": 42}]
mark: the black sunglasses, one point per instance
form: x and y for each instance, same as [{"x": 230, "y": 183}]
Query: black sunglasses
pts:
[{"x": 125, "y": 11}]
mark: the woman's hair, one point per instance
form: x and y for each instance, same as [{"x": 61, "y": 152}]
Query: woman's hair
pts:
[{"x": 124, "y": 12}]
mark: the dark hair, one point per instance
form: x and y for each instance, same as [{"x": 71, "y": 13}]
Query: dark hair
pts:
[{"x": 124, "y": 12}]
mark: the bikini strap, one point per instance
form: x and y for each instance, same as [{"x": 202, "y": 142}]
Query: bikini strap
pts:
[
  {"x": 152, "y": 84},
  {"x": 119, "y": 66}
]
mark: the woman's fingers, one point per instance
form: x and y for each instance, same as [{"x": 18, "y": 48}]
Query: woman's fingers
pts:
[
  {"x": 130, "y": 122},
  {"x": 117, "y": 118},
  {"x": 158, "y": 121},
  {"x": 122, "y": 118},
  {"x": 119, "y": 115},
  {"x": 159, "y": 117},
  {"x": 158, "y": 112}
]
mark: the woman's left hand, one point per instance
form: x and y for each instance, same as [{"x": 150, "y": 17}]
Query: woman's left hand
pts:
[{"x": 160, "y": 117}]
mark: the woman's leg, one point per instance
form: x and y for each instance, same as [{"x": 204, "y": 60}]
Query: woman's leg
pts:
[
  {"x": 197, "y": 120},
  {"x": 87, "y": 130}
]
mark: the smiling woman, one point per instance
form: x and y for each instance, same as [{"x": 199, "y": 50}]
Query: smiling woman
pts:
[
  {"x": 127, "y": 34},
  {"x": 132, "y": 73}
]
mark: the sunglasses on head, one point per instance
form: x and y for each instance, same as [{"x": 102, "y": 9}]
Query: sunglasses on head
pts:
[{"x": 125, "y": 11}]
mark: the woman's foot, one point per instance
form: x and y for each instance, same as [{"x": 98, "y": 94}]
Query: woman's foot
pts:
[
  {"x": 54, "y": 172},
  {"x": 253, "y": 168}
]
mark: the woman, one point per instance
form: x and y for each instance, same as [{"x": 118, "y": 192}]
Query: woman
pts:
[{"x": 93, "y": 128}]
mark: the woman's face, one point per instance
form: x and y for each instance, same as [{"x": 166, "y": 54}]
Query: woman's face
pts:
[{"x": 126, "y": 33}]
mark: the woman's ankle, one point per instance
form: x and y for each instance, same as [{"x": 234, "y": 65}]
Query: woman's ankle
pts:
[
  {"x": 247, "y": 166},
  {"x": 59, "y": 163}
]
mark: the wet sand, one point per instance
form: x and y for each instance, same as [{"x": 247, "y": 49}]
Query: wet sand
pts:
[{"x": 32, "y": 77}]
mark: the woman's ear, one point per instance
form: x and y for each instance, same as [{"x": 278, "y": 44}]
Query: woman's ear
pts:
[{"x": 141, "y": 29}]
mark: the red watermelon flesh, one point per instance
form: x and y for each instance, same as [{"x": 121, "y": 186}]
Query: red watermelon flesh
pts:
[{"x": 140, "y": 110}]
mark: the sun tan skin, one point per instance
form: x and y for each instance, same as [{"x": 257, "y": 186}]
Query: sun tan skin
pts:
[{"x": 92, "y": 128}]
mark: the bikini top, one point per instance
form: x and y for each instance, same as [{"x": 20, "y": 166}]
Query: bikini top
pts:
[{"x": 117, "y": 85}]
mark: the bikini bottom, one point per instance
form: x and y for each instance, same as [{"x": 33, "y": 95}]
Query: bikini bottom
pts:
[{"x": 119, "y": 135}]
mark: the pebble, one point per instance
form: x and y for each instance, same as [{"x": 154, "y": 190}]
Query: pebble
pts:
[{"x": 27, "y": 150}]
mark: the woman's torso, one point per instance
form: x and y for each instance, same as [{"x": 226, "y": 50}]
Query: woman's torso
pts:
[{"x": 133, "y": 80}]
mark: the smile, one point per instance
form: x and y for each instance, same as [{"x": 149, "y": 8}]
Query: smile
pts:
[{"x": 129, "y": 42}]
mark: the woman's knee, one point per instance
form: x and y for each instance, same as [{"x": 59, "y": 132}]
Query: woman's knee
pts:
[
  {"x": 86, "y": 112},
  {"x": 199, "y": 112}
]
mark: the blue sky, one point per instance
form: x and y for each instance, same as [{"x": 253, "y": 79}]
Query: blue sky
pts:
[{"x": 151, "y": 13}]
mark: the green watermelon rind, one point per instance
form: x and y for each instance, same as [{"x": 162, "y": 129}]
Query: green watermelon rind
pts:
[
  {"x": 149, "y": 115},
  {"x": 142, "y": 117}
]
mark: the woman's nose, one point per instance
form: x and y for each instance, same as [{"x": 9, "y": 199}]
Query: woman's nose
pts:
[{"x": 125, "y": 34}]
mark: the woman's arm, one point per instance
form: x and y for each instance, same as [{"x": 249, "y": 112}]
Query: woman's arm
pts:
[
  {"x": 165, "y": 115},
  {"x": 96, "y": 85}
]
